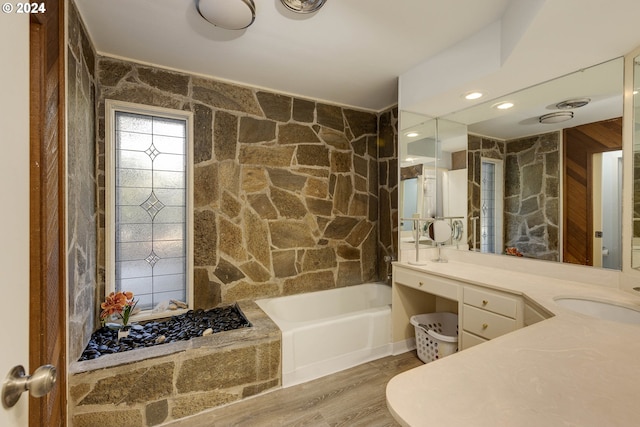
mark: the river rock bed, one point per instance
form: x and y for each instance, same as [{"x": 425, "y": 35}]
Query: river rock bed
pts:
[{"x": 192, "y": 324}]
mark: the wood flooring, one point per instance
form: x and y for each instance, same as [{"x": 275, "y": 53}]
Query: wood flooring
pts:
[{"x": 354, "y": 397}]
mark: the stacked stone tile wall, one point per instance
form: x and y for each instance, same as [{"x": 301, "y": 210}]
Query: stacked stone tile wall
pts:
[
  {"x": 81, "y": 185},
  {"x": 286, "y": 195},
  {"x": 147, "y": 387},
  {"x": 388, "y": 190},
  {"x": 532, "y": 189}
]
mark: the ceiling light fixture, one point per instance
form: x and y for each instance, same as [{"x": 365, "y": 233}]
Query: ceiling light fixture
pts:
[
  {"x": 228, "y": 14},
  {"x": 572, "y": 103},
  {"x": 473, "y": 95},
  {"x": 505, "y": 105},
  {"x": 411, "y": 134},
  {"x": 557, "y": 117},
  {"x": 303, "y": 6}
]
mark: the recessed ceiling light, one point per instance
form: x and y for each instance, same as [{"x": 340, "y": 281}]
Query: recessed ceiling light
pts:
[
  {"x": 504, "y": 105},
  {"x": 557, "y": 117},
  {"x": 473, "y": 95},
  {"x": 228, "y": 14},
  {"x": 411, "y": 134}
]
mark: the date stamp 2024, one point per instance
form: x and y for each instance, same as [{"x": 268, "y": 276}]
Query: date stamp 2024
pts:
[{"x": 24, "y": 8}]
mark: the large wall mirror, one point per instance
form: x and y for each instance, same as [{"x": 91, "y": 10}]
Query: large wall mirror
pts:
[{"x": 542, "y": 178}]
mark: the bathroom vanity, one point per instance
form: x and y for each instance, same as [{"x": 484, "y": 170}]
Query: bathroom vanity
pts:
[
  {"x": 524, "y": 359},
  {"x": 484, "y": 312}
]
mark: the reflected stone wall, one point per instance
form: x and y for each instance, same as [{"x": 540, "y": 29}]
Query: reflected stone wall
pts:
[{"x": 532, "y": 189}]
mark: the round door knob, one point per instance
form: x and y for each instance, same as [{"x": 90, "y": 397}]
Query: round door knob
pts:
[{"x": 17, "y": 382}]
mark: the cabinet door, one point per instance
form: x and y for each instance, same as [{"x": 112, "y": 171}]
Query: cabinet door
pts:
[{"x": 469, "y": 340}]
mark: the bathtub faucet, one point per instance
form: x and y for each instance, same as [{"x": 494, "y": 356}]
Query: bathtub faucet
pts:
[{"x": 389, "y": 259}]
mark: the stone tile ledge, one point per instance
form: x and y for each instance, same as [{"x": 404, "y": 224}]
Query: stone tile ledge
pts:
[{"x": 263, "y": 329}]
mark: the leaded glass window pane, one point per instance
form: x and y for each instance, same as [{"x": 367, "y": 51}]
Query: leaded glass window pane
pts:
[
  {"x": 150, "y": 207},
  {"x": 487, "y": 208}
]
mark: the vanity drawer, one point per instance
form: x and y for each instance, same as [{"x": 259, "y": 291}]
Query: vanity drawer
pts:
[
  {"x": 491, "y": 301},
  {"x": 486, "y": 324},
  {"x": 425, "y": 282}
]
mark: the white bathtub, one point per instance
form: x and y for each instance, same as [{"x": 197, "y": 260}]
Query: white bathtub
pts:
[{"x": 328, "y": 331}]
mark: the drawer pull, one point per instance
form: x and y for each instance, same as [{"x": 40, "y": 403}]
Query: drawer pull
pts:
[
  {"x": 420, "y": 283},
  {"x": 485, "y": 326},
  {"x": 485, "y": 302}
]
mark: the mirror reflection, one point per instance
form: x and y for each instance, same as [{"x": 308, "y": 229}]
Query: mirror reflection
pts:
[
  {"x": 433, "y": 182},
  {"x": 635, "y": 253},
  {"x": 542, "y": 179}
]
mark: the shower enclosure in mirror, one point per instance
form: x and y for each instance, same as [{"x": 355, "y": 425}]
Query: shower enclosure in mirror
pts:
[{"x": 543, "y": 178}]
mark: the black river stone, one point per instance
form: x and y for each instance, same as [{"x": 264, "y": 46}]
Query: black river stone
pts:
[{"x": 177, "y": 328}]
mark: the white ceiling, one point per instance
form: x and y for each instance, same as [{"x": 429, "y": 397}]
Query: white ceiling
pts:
[{"x": 351, "y": 52}]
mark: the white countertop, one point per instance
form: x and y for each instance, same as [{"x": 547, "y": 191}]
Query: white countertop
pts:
[{"x": 568, "y": 370}]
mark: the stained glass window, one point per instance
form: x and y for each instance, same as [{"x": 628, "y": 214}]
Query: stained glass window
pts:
[
  {"x": 487, "y": 202},
  {"x": 150, "y": 207}
]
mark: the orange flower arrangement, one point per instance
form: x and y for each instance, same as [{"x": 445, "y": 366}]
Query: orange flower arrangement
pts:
[
  {"x": 121, "y": 304},
  {"x": 513, "y": 252}
]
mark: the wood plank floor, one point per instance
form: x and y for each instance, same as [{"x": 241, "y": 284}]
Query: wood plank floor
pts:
[{"x": 354, "y": 397}]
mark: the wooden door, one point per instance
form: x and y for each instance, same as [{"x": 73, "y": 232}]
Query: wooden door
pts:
[
  {"x": 47, "y": 341},
  {"x": 580, "y": 143}
]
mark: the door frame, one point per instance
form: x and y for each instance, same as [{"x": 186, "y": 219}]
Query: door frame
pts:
[{"x": 47, "y": 164}]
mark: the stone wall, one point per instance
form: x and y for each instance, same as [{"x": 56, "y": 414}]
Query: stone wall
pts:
[
  {"x": 532, "y": 188},
  {"x": 286, "y": 189},
  {"x": 387, "y": 190},
  {"x": 81, "y": 185},
  {"x": 150, "y": 386}
]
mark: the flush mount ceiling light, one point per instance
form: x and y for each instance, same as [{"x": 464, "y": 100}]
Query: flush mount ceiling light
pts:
[
  {"x": 557, "y": 117},
  {"x": 572, "y": 103},
  {"x": 473, "y": 95},
  {"x": 505, "y": 105},
  {"x": 228, "y": 14},
  {"x": 303, "y": 6},
  {"x": 411, "y": 134}
]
